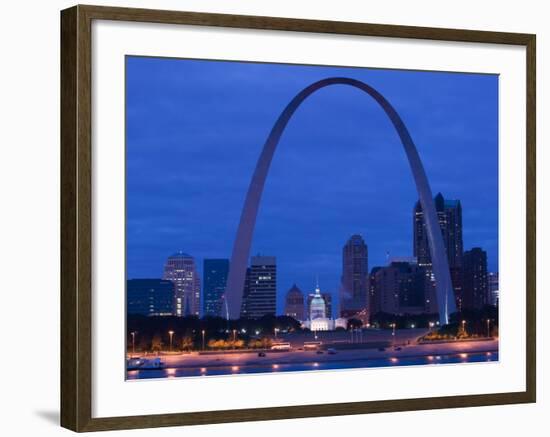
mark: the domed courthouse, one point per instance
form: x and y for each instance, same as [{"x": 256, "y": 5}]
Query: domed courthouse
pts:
[{"x": 317, "y": 317}]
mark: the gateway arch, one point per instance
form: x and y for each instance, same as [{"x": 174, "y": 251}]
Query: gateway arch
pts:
[{"x": 241, "y": 247}]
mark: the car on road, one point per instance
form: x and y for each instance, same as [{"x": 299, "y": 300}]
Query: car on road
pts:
[
  {"x": 331, "y": 351},
  {"x": 261, "y": 354},
  {"x": 319, "y": 351}
]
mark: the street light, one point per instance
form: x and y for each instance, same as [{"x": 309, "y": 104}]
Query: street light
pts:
[
  {"x": 393, "y": 332},
  {"x": 488, "y": 328},
  {"x": 464, "y": 327},
  {"x": 431, "y": 325},
  {"x": 275, "y": 330},
  {"x": 171, "y": 335},
  {"x": 203, "y": 332},
  {"x": 234, "y": 337}
]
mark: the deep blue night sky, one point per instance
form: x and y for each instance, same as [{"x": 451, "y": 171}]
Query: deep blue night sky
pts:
[{"x": 196, "y": 128}]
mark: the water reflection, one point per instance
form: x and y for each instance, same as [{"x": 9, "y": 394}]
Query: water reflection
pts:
[{"x": 328, "y": 365}]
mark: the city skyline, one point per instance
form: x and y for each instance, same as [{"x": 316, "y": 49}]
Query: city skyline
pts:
[
  {"x": 211, "y": 303},
  {"x": 385, "y": 227},
  {"x": 210, "y": 298}
]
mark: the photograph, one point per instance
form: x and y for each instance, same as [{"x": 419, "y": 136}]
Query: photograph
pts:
[
  {"x": 274, "y": 219},
  {"x": 308, "y": 218}
]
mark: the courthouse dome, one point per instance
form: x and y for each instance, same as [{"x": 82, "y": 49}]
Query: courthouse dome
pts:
[{"x": 317, "y": 307}]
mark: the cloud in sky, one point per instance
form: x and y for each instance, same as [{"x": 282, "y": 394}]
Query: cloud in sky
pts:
[{"x": 196, "y": 128}]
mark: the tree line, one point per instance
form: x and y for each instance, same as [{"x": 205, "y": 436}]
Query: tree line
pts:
[{"x": 162, "y": 333}]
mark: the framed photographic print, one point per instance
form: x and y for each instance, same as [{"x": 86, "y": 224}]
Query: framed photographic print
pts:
[{"x": 268, "y": 218}]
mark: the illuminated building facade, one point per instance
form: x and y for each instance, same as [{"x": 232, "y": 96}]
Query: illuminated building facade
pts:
[
  {"x": 319, "y": 317},
  {"x": 449, "y": 215},
  {"x": 492, "y": 283},
  {"x": 260, "y": 289},
  {"x": 180, "y": 268}
]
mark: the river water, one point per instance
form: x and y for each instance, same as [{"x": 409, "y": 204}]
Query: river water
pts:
[{"x": 314, "y": 365}]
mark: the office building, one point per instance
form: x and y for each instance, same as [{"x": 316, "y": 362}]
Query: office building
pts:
[
  {"x": 260, "y": 289},
  {"x": 214, "y": 279},
  {"x": 355, "y": 277},
  {"x": 449, "y": 214},
  {"x": 375, "y": 302},
  {"x": 492, "y": 283},
  {"x": 149, "y": 297},
  {"x": 475, "y": 290},
  {"x": 400, "y": 288},
  {"x": 180, "y": 268},
  {"x": 294, "y": 303}
]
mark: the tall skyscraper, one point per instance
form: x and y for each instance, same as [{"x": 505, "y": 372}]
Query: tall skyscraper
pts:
[
  {"x": 149, "y": 297},
  {"x": 355, "y": 277},
  {"x": 294, "y": 303},
  {"x": 475, "y": 287},
  {"x": 449, "y": 214},
  {"x": 214, "y": 278},
  {"x": 180, "y": 268},
  {"x": 260, "y": 290},
  {"x": 400, "y": 288}
]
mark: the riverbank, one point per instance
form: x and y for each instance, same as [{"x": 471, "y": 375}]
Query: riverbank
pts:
[{"x": 237, "y": 359}]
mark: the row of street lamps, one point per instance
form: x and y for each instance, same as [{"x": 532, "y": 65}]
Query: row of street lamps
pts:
[
  {"x": 488, "y": 321},
  {"x": 203, "y": 333},
  {"x": 171, "y": 334},
  {"x": 276, "y": 330}
]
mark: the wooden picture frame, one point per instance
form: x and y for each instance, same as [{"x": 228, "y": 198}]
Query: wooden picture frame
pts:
[{"x": 76, "y": 218}]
